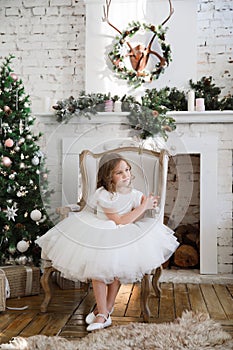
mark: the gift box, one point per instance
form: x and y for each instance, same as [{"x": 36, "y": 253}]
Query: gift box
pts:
[
  {"x": 64, "y": 283},
  {"x": 23, "y": 280},
  {"x": 2, "y": 291}
]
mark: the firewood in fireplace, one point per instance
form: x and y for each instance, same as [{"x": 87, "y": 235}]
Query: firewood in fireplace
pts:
[{"x": 186, "y": 256}]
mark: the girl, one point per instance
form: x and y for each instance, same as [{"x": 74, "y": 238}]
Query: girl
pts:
[{"x": 117, "y": 245}]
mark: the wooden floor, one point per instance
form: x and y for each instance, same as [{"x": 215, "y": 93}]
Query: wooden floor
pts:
[{"x": 66, "y": 313}]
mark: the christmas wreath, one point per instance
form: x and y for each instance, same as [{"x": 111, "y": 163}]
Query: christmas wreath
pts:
[{"x": 122, "y": 49}]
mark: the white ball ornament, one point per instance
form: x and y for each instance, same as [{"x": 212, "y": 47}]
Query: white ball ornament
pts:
[
  {"x": 22, "y": 246},
  {"x": 21, "y": 141},
  {"x": 35, "y": 215},
  {"x": 35, "y": 160}
]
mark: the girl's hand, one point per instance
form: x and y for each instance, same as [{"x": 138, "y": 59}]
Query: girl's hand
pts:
[{"x": 150, "y": 202}]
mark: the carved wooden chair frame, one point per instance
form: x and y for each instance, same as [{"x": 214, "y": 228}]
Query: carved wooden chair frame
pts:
[{"x": 160, "y": 172}]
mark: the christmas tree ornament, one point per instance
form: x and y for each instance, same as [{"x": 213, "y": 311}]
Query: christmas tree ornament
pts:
[
  {"x": 21, "y": 141},
  {"x": 7, "y": 110},
  {"x": 22, "y": 246},
  {"x": 35, "y": 160},
  {"x": 14, "y": 76},
  {"x": 11, "y": 213},
  {"x": 12, "y": 249},
  {"x": 29, "y": 137},
  {"x": 35, "y": 215},
  {"x": 6, "y": 161},
  {"x": 9, "y": 143},
  {"x": 17, "y": 148},
  {"x": 22, "y": 260},
  {"x": 21, "y": 165},
  {"x": 12, "y": 176},
  {"x": 38, "y": 172}
]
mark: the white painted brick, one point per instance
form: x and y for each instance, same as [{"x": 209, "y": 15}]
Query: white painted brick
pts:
[
  {"x": 60, "y": 3},
  {"x": 225, "y": 255},
  {"x": 225, "y": 239},
  {"x": 52, "y": 11},
  {"x": 33, "y": 3},
  {"x": 38, "y": 11},
  {"x": 224, "y": 268},
  {"x": 12, "y": 11}
]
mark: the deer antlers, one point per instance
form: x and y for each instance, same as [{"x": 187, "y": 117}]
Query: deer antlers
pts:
[
  {"x": 170, "y": 14},
  {"x": 106, "y": 12}
]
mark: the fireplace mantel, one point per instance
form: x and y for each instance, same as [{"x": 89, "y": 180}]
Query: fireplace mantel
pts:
[
  {"x": 208, "y": 134},
  {"x": 181, "y": 117}
]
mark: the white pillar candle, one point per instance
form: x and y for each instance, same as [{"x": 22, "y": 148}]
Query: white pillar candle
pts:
[
  {"x": 191, "y": 101},
  {"x": 200, "y": 104},
  {"x": 117, "y": 106}
]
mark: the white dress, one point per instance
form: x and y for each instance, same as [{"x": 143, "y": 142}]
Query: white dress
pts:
[{"x": 88, "y": 246}]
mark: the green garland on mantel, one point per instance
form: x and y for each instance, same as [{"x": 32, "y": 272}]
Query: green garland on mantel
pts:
[{"x": 148, "y": 117}]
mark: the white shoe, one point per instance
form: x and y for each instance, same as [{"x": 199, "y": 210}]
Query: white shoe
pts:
[
  {"x": 98, "y": 325},
  {"x": 91, "y": 316}
]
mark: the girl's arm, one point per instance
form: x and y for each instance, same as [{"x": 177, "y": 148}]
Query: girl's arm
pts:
[{"x": 128, "y": 218}]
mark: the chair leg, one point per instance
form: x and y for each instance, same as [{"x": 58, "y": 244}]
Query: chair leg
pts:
[
  {"x": 145, "y": 291},
  {"x": 46, "y": 285},
  {"x": 155, "y": 280}
]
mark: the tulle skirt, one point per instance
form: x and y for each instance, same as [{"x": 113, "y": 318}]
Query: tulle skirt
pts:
[{"x": 83, "y": 247}]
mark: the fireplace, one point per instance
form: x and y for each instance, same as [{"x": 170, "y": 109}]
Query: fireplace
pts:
[{"x": 206, "y": 135}]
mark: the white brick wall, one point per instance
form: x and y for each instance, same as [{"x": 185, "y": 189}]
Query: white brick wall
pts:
[
  {"x": 48, "y": 39},
  {"x": 215, "y": 42}
]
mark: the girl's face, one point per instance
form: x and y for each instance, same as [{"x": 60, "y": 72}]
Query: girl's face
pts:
[{"x": 121, "y": 175}]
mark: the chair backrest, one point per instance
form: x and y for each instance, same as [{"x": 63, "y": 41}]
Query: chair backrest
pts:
[{"x": 148, "y": 167}]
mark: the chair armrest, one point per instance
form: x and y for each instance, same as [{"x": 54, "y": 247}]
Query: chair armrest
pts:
[{"x": 63, "y": 212}]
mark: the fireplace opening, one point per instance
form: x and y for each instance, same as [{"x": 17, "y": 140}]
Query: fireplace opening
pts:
[{"x": 182, "y": 210}]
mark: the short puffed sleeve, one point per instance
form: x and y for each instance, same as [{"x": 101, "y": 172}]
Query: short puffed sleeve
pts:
[{"x": 105, "y": 199}]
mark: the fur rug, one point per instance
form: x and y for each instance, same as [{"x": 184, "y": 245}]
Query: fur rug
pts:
[{"x": 191, "y": 331}]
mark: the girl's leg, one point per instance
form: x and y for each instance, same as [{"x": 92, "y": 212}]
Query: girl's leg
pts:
[
  {"x": 100, "y": 292},
  {"x": 112, "y": 290}
]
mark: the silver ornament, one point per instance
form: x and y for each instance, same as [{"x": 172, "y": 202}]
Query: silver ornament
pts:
[
  {"x": 35, "y": 160},
  {"x": 22, "y": 260},
  {"x": 35, "y": 215},
  {"x": 22, "y": 246}
]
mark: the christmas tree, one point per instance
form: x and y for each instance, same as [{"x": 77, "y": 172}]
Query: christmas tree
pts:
[{"x": 23, "y": 176}]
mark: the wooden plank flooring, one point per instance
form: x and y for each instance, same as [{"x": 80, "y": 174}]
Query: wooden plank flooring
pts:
[{"x": 67, "y": 310}]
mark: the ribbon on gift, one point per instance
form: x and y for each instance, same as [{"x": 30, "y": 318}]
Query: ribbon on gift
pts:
[{"x": 28, "y": 288}]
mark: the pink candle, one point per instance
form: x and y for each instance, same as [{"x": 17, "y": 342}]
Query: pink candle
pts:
[
  {"x": 200, "y": 104},
  {"x": 108, "y": 106}
]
